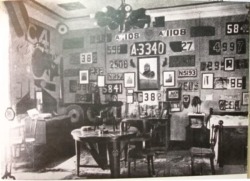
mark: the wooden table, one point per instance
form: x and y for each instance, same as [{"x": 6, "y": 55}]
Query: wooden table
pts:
[{"x": 98, "y": 144}]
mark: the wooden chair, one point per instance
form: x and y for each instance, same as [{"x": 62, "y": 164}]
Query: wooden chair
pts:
[
  {"x": 140, "y": 146},
  {"x": 24, "y": 138},
  {"x": 207, "y": 152}
]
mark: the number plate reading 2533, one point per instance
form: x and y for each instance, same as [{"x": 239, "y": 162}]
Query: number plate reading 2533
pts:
[
  {"x": 112, "y": 88},
  {"x": 148, "y": 48}
]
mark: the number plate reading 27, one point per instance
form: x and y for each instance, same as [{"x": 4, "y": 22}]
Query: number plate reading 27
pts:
[
  {"x": 112, "y": 89},
  {"x": 148, "y": 48}
]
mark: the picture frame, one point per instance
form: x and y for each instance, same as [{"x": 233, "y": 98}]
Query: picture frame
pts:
[
  {"x": 168, "y": 78},
  {"x": 245, "y": 98},
  {"x": 164, "y": 114},
  {"x": 175, "y": 107},
  {"x": 173, "y": 94},
  {"x": 83, "y": 76},
  {"x": 100, "y": 80},
  {"x": 129, "y": 79},
  {"x": 148, "y": 73},
  {"x": 229, "y": 64},
  {"x": 130, "y": 96},
  {"x": 207, "y": 81},
  {"x": 220, "y": 82}
]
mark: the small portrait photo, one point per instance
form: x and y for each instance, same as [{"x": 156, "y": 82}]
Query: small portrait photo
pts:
[
  {"x": 148, "y": 73},
  {"x": 168, "y": 78},
  {"x": 129, "y": 79},
  {"x": 207, "y": 81},
  {"x": 84, "y": 76},
  {"x": 229, "y": 63}
]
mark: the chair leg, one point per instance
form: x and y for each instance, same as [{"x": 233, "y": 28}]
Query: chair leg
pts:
[
  {"x": 128, "y": 168},
  {"x": 33, "y": 156},
  {"x": 152, "y": 164},
  {"x": 192, "y": 165},
  {"x": 148, "y": 160},
  {"x": 212, "y": 165}
]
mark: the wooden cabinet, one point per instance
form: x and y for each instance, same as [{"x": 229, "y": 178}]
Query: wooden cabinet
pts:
[{"x": 54, "y": 135}]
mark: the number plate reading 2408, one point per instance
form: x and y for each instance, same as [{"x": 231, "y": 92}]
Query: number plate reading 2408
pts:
[
  {"x": 112, "y": 88},
  {"x": 148, "y": 48}
]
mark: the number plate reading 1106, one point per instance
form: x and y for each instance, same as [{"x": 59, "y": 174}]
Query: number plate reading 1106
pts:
[{"x": 112, "y": 89}]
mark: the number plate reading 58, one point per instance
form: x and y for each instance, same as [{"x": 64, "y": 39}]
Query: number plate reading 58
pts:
[
  {"x": 148, "y": 48},
  {"x": 112, "y": 88}
]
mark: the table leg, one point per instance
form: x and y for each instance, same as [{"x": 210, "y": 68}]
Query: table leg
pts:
[
  {"x": 77, "y": 147},
  {"x": 114, "y": 155}
]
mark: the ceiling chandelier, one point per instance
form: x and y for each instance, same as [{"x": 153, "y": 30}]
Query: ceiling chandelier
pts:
[{"x": 123, "y": 18}]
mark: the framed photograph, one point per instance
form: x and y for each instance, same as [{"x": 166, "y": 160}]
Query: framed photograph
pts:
[
  {"x": 148, "y": 73},
  {"x": 220, "y": 83},
  {"x": 129, "y": 79},
  {"x": 164, "y": 114},
  {"x": 168, "y": 78},
  {"x": 173, "y": 94},
  {"x": 175, "y": 107},
  {"x": 245, "y": 97},
  {"x": 84, "y": 76},
  {"x": 229, "y": 63},
  {"x": 207, "y": 81},
  {"x": 101, "y": 81}
]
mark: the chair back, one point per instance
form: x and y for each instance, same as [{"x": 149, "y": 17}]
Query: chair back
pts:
[
  {"x": 139, "y": 124},
  {"x": 30, "y": 127},
  {"x": 144, "y": 133},
  {"x": 217, "y": 131}
]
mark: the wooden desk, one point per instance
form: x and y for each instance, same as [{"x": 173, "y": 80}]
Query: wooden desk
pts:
[{"x": 107, "y": 141}]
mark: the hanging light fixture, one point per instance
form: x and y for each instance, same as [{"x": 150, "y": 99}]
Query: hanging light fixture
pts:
[{"x": 123, "y": 18}]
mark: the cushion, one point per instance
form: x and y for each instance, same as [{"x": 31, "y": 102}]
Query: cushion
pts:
[{"x": 202, "y": 152}]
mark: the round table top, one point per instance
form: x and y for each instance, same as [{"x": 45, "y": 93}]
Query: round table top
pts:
[{"x": 96, "y": 135}]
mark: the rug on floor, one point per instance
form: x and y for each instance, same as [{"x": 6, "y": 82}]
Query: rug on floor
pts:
[{"x": 174, "y": 163}]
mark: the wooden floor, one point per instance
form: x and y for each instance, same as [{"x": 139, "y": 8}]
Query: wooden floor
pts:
[{"x": 173, "y": 164}]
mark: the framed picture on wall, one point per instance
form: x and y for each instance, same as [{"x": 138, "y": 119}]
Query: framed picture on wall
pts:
[
  {"x": 245, "y": 98},
  {"x": 100, "y": 80},
  {"x": 129, "y": 79},
  {"x": 220, "y": 83},
  {"x": 168, "y": 78},
  {"x": 207, "y": 81},
  {"x": 173, "y": 94},
  {"x": 148, "y": 73},
  {"x": 84, "y": 76},
  {"x": 175, "y": 107},
  {"x": 229, "y": 63}
]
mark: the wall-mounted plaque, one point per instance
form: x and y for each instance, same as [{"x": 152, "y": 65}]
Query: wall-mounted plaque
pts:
[
  {"x": 182, "y": 61},
  {"x": 236, "y": 28},
  {"x": 173, "y": 32},
  {"x": 148, "y": 48},
  {"x": 187, "y": 73}
]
